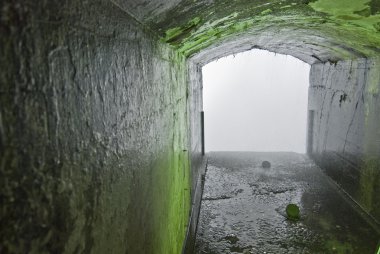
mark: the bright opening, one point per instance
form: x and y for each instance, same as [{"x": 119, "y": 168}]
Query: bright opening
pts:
[{"x": 255, "y": 101}]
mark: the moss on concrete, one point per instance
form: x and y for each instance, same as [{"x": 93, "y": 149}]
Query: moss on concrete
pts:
[
  {"x": 335, "y": 246},
  {"x": 354, "y": 12},
  {"x": 351, "y": 28},
  {"x": 174, "y": 34},
  {"x": 172, "y": 227},
  {"x": 293, "y": 212},
  {"x": 369, "y": 186},
  {"x": 93, "y": 132},
  {"x": 370, "y": 171}
]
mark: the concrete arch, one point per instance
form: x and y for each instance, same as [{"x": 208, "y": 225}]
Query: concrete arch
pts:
[{"x": 313, "y": 31}]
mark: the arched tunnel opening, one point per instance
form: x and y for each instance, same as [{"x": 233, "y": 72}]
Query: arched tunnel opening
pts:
[
  {"x": 255, "y": 101},
  {"x": 101, "y": 131}
]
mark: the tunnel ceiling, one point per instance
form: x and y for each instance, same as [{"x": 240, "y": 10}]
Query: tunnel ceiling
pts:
[{"x": 313, "y": 31}]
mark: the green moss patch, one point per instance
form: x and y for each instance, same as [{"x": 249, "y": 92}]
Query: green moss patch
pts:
[
  {"x": 349, "y": 28},
  {"x": 293, "y": 212},
  {"x": 175, "y": 34},
  {"x": 356, "y": 12}
]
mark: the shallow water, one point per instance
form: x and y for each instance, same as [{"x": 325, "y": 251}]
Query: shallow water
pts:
[{"x": 243, "y": 208}]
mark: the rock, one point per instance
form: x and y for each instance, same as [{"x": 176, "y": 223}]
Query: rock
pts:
[
  {"x": 266, "y": 164},
  {"x": 231, "y": 238},
  {"x": 293, "y": 212}
]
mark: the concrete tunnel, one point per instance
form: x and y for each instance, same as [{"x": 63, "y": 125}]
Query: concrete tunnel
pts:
[{"x": 100, "y": 112}]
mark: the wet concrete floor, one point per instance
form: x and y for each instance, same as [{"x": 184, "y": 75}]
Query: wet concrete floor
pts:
[{"x": 244, "y": 208}]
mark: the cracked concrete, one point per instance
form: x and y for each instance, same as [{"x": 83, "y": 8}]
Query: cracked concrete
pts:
[{"x": 254, "y": 220}]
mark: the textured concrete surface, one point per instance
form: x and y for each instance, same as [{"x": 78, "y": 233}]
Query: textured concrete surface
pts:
[
  {"x": 198, "y": 161},
  {"x": 345, "y": 127},
  {"x": 243, "y": 208},
  {"x": 94, "y": 132}
]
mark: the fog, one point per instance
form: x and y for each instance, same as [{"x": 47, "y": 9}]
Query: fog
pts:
[{"x": 255, "y": 101}]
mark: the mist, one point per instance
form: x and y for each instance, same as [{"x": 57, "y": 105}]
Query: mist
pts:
[{"x": 255, "y": 101}]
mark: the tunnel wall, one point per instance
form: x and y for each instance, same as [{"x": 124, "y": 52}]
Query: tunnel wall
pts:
[
  {"x": 94, "y": 132},
  {"x": 344, "y": 127},
  {"x": 198, "y": 161}
]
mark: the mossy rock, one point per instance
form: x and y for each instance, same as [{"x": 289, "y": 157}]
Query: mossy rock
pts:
[{"x": 293, "y": 212}]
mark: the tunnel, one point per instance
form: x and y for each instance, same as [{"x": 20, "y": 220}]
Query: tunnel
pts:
[{"x": 101, "y": 112}]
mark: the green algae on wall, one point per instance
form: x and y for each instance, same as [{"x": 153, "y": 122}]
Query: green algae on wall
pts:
[
  {"x": 171, "y": 198},
  {"x": 355, "y": 12},
  {"x": 93, "y": 133},
  {"x": 176, "y": 33},
  {"x": 212, "y": 32},
  {"x": 340, "y": 7},
  {"x": 350, "y": 29},
  {"x": 171, "y": 202}
]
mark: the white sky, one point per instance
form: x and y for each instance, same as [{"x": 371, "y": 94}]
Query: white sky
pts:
[{"x": 255, "y": 101}]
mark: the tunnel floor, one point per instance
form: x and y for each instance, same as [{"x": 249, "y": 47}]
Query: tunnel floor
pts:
[{"x": 243, "y": 208}]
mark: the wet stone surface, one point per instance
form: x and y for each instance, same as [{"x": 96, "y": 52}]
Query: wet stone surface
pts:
[{"x": 244, "y": 208}]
